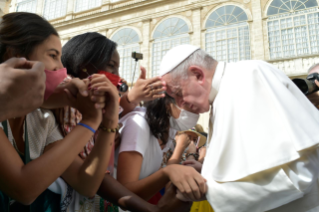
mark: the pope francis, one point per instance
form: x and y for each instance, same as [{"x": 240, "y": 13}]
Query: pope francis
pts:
[{"x": 263, "y": 137}]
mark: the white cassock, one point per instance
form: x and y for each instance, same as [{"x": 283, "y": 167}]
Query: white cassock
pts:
[{"x": 263, "y": 152}]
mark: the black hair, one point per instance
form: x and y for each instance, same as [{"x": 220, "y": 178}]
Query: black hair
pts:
[
  {"x": 157, "y": 116},
  {"x": 22, "y": 32},
  {"x": 88, "y": 48}
]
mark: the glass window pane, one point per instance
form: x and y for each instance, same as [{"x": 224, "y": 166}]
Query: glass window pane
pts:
[
  {"x": 294, "y": 36},
  {"x": 27, "y": 6},
  {"x": 127, "y": 40},
  {"x": 82, "y": 5},
  {"x": 54, "y": 9},
  {"x": 125, "y": 36},
  {"x": 229, "y": 44},
  {"x": 171, "y": 27},
  {"x": 226, "y": 15},
  {"x": 289, "y": 6}
]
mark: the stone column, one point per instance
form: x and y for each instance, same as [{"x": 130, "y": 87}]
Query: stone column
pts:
[
  {"x": 40, "y": 7},
  {"x": 12, "y": 6},
  {"x": 105, "y": 5},
  {"x": 196, "y": 19},
  {"x": 70, "y": 9},
  {"x": 146, "y": 46},
  {"x": 256, "y": 32},
  {"x": 103, "y": 32}
]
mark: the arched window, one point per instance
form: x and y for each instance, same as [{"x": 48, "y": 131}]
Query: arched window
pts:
[
  {"x": 227, "y": 35},
  {"x": 170, "y": 33},
  {"x": 27, "y": 6},
  {"x": 127, "y": 42},
  {"x": 82, "y": 5},
  {"x": 54, "y": 8},
  {"x": 293, "y": 28}
]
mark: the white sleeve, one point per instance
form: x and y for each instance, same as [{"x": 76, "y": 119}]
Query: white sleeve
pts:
[{"x": 135, "y": 135}]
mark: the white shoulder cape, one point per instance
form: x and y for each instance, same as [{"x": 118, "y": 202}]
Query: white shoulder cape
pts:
[{"x": 260, "y": 120}]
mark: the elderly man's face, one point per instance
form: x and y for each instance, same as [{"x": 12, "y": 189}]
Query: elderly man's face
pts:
[{"x": 190, "y": 93}]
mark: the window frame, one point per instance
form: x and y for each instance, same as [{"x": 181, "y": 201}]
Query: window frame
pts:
[
  {"x": 273, "y": 18},
  {"x": 236, "y": 25}
]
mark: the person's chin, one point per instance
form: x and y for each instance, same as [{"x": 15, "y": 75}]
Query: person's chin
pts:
[{"x": 203, "y": 109}]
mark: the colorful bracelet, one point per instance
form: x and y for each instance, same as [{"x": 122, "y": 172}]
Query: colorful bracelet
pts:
[
  {"x": 195, "y": 155},
  {"x": 111, "y": 130},
  {"x": 87, "y": 126}
]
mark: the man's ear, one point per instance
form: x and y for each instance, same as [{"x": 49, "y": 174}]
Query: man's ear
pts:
[{"x": 198, "y": 72}]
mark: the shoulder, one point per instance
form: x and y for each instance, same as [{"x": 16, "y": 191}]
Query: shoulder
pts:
[
  {"x": 136, "y": 122},
  {"x": 136, "y": 118},
  {"x": 42, "y": 117},
  {"x": 256, "y": 69},
  {"x": 252, "y": 66}
]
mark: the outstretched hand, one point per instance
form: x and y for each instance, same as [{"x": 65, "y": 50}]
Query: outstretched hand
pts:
[
  {"x": 146, "y": 89},
  {"x": 189, "y": 182},
  {"x": 169, "y": 202}
]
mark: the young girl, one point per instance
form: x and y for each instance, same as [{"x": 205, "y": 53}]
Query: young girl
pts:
[
  {"x": 145, "y": 133},
  {"x": 27, "y": 171},
  {"x": 83, "y": 56}
]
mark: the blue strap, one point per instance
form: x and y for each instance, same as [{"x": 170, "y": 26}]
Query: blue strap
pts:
[{"x": 87, "y": 126}]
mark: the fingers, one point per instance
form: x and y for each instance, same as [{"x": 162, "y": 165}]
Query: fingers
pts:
[
  {"x": 156, "y": 96},
  {"x": 143, "y": 73},
  {"x": 201, "y": 182},
  {"x": 98, "y": 98},
  {"x": 69, "y": 95},
  {"x": 188, "y": 162},
  {"x": 181, "y": 197},
  {"x": 194, "y": 189},
  {"x": 81, "y": 86},
  {"x": 317, "y": 83},
  {"x": 154, "y": 80},
  {"x": 157, "y": 90},
  {"x": 16, "y": 62}
]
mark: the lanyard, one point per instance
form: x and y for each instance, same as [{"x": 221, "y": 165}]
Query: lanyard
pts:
[{"x": 26, "y": 158}]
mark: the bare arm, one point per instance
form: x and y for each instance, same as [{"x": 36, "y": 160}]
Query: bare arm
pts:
[
  {"x": 128, "y": 171},
  {"x": 25, "y": 183},
  {"x": 115, "y": 192},
  {"x": 182, "y": 141},
  {"x": 86, "y": 176},
  {"x": 186, "y": 179}
]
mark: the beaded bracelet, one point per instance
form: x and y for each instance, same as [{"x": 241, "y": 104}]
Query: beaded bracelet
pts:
[
  {"x": 111, "y": 130},
  {"x": 87, "y": 126},
  {"x": 195, "y": 155}
]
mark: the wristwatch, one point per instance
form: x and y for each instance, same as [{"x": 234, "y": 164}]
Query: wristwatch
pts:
[{"x": 195, "y": 155}]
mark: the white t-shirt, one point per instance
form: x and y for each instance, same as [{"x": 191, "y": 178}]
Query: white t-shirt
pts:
[
  {"x": 42, "y": 131},
  {"x": 137, "y": 137}
]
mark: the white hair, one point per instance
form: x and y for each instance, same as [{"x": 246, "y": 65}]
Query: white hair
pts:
[
  {"x": 313, "y": 66},
  {"x": 198, "y": 58}
]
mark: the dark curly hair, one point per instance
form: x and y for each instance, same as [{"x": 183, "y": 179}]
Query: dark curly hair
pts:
[{"x": 157, "y": 116}]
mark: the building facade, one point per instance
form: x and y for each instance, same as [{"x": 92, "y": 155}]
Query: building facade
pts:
[{"x": 282, "y": 32}]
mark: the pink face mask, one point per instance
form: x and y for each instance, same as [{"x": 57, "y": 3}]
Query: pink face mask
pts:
[{"x": 54, "y": 78}]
